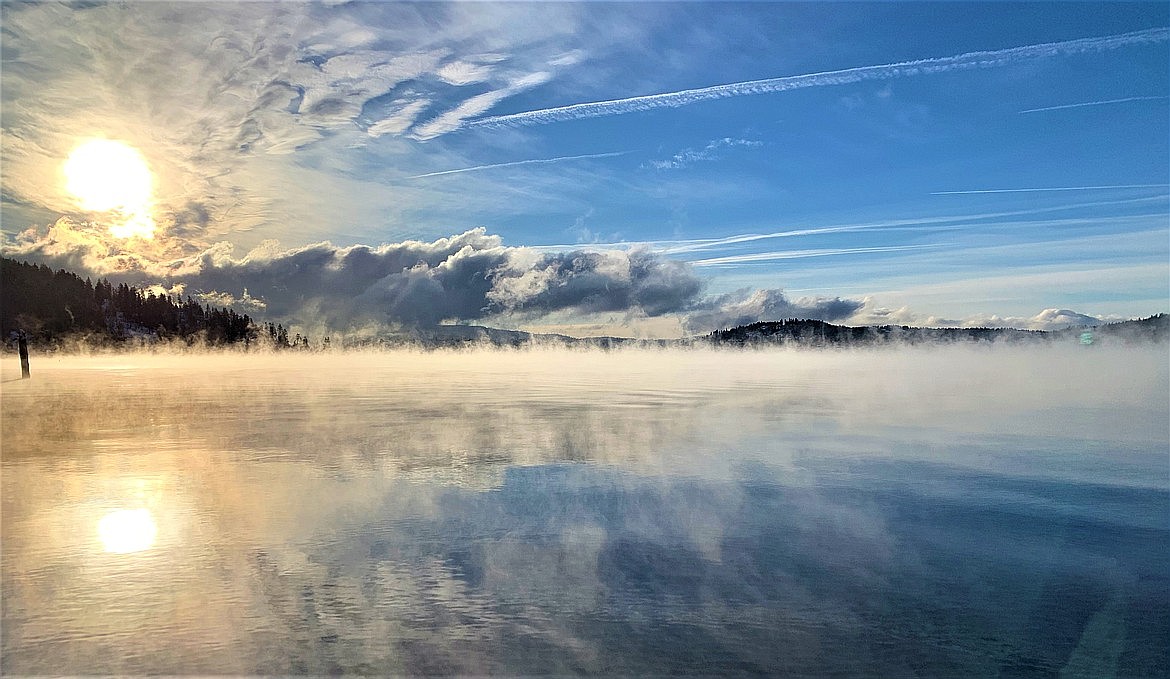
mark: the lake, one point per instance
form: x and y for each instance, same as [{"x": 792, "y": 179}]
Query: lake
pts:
[{"x": 934, "y": 512}]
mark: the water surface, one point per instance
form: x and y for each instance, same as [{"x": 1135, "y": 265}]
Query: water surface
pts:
[{"x": 932, "y": 512}]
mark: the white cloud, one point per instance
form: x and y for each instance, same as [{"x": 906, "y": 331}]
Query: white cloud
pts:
[
  {"x": 400, "y": 118},
  {"x": 1062, "y": 317},
  {"x": 453, "y": 119},
  {"x": 1048, "y": 319},
  {"x": 464, "y": 73},
  {"x": 709, "y": 152}
]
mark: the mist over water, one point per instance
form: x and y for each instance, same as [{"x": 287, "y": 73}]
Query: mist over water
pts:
[{"x": 955, "y": 511}]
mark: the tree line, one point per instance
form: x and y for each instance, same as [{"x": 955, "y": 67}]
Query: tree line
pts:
[{"x": 55, "y": 306}]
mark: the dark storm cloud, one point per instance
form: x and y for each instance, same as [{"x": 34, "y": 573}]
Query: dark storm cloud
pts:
[
  {"x": 468, "y": 277},
  {"x": 397, "y": 284},
  {"x": 599, "y": 282}
]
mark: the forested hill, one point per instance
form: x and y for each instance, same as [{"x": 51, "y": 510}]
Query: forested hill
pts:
[
  {"x": 810, "y": 332},
  {"x": 52, "y": 306},
  {"x": 819, "y": 333}
]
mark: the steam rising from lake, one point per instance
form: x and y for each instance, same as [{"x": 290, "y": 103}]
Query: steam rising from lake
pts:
[{"x": 958, "y": 510}]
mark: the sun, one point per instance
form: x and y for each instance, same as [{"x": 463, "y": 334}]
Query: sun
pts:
[{"x": 112, "y": 177}]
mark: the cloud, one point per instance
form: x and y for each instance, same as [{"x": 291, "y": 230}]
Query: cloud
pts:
[
  {"x": 89, "y": 249},
  {"x": 245, "y": 302},
  {"x": 398, "y": 118},
  {"x": 966, "y": 61},
  {"x": 1048, "y": 319},
  {"x": 468, "y": 277},
  {"x": 464, "y": 73},
  {"x": 690, "y": 156},
  {"x": 870, "y": 313},
  {"x": 469, "y": 108},
  {"x": 1093, "y": 103},
  {"x": 1063, "y": 317},
  {"x": 217, "y": 96},
  {"x": 535, "y": 161},
  {"x": 591, "y": 282},
  {"x": 471, "y": 276}
]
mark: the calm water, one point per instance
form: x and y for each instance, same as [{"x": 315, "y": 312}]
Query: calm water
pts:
[{"x": 947, "y": 512}]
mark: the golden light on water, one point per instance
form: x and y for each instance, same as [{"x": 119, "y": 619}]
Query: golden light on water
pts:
[
  {"x": 127, "y": 530},
  {"x": 110, "y": 176}
]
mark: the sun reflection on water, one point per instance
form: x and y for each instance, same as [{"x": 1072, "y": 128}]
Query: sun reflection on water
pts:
[{"x": 127, "y": 530}]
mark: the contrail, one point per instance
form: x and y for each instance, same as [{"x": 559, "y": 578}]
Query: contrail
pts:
[
  {"x": 1092, "y": 103},
  {"x": 802, "y": 254},
  {"x": 675, "y": 247},
  {"x": 535, "y": 161},
  {"x": 714, "y": 243},
  {"x": 967, "y": 61},
  {"x": 1055, "y": 188}
]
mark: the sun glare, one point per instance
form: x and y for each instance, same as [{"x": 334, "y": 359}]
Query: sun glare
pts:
[
  {"x": 127, "y": 530},
  {"x": 112, "y": 177}
]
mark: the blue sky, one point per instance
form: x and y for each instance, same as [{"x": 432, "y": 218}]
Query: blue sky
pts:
[{"x": 925, "y": 163}]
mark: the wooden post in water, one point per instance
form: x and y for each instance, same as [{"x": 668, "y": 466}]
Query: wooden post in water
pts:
[{"x": 22, "y": 347}]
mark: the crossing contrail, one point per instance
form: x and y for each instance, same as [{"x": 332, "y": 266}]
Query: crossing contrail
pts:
[
  {"x": 535, "y": 161},
  {"x": 1092, "y": 103},
  {"x": 966, "y": 61}
]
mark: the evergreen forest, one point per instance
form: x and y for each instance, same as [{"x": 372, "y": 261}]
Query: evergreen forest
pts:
[{"x": 53, "y": 307}]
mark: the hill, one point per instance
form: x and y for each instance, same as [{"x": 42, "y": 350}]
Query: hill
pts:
[
  {"x": 803, "y": 332},
  {"x": 51, "y": 307}
]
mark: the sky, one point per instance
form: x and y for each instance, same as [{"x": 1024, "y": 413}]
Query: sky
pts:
[{"x": 651, "y": 169}]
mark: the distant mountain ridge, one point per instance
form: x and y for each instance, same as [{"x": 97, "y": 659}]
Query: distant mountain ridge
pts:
[
  {"x": 799, "y": 332},
  {"x": 806, "y": 332},
  {"x": 53, "y": 307}
]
